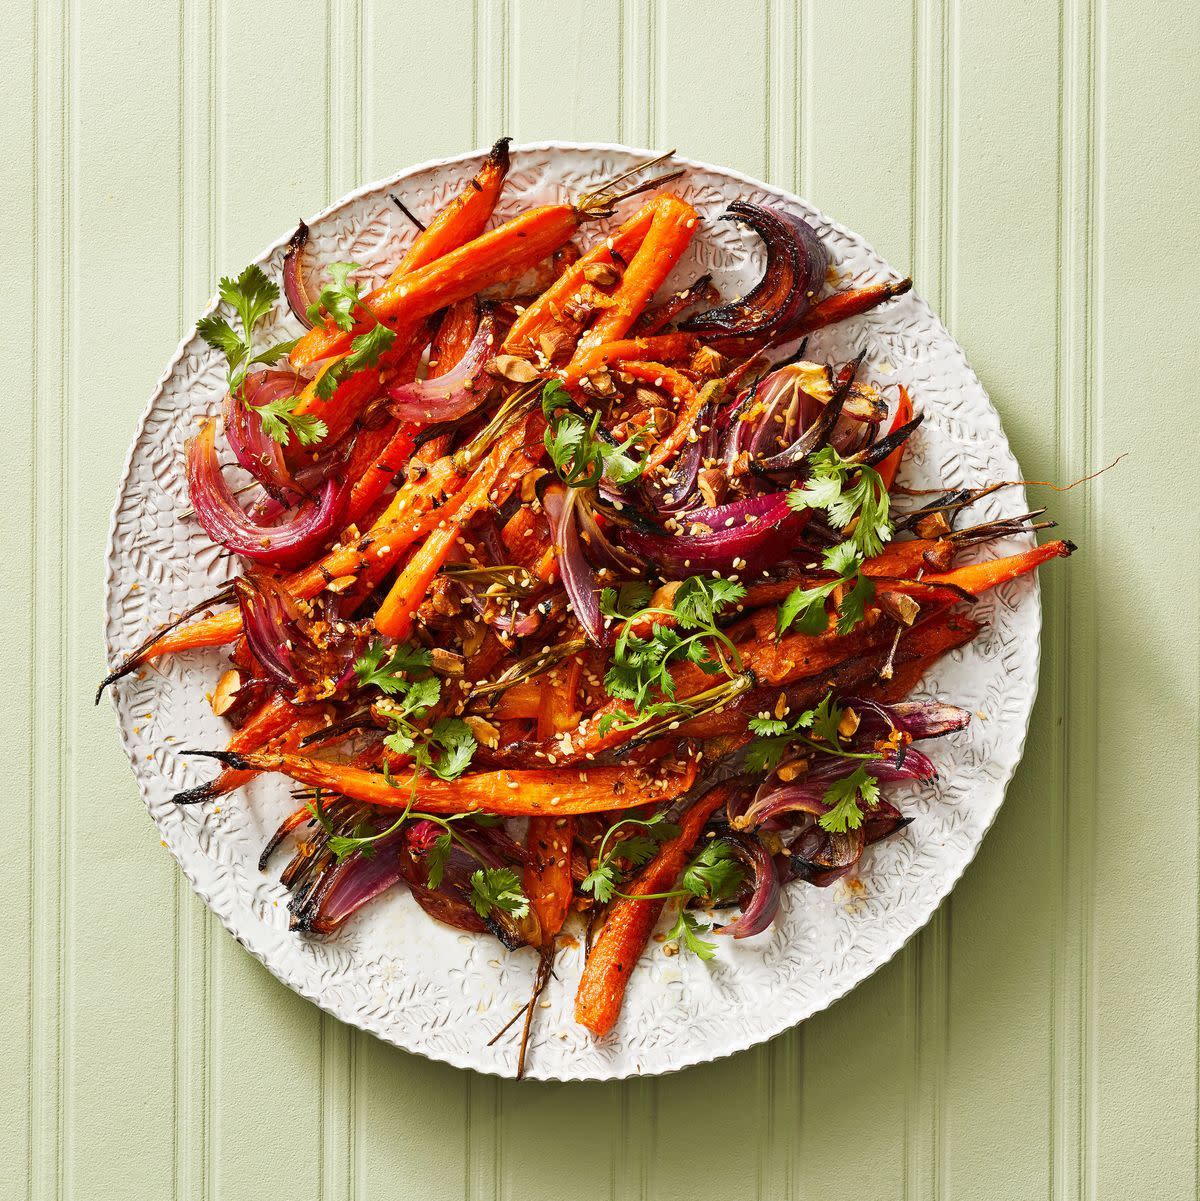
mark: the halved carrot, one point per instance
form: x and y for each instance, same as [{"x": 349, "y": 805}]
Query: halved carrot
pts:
[
  {"x": 842, "y": 305},
  {"x": 394, "y": 617},
  {"x": 671, "y": 229},
  {"x": 631, "y": 921},
  {"x": 663, "y": 347},
  {"x": 888, "y": 468},
  {"x": 547, "y": 877},
  {"x": 690, "y": 399},
  {"x": 532, "y": 793},
  {"x": 977, "y": 578},
  {"x": 546, "y": 310}
]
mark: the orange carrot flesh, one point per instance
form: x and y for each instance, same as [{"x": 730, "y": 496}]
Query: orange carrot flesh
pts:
[
  {"x": 662, "y": 347},
  {"x": 977, "y": 578},
  {"x": 630, "y": 922},
  {"x": 531, "y": 793},
  {"x": 499, "y": 254},
  {"x": 843, "y": 305},
  {"x": 671, "y": 230},
  {"x": 687, "y": 396},
  {"x": 891, "y": 465},
  {"x": 547, "y": 877},
  {"x": 394, "y": 617},
  {"x": 543, "y": 312}
]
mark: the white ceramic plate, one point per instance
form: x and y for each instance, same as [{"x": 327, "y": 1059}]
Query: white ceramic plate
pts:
[{"x": 394, "y": 971}]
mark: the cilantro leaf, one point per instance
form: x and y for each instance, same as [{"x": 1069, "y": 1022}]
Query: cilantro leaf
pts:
[
  {"x": 280, "y": 421},
  {"x": 219, "y": 334},
  {"x": 804, "y": 608},
  {"x": 699, "y": 600},
  {"x": 602, "y": 881},
  {"x": 452, "y": 747},
  {"x": 387, "y": 670},
  {"x": 435, "y": 859},
  {"x": 626, "y": 600},
  {"x": 250, "y": 296},
  {"x": 716, "y": 873},
  {"x": 338, "y": 298},
  {"x": 853, "y": 606},
  {"x": 843, "y": 798},
  {"x": 580, "y": 457},
  {"x": 687, "y": 931},
  {"x": 498, "y": 888},
  {"x": 364, "y": 352}
]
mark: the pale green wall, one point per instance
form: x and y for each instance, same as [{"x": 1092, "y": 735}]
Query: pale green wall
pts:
[{"x": 1036, "y": 171}]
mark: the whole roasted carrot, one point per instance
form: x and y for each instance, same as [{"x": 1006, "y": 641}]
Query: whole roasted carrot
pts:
[
  {"x": 531, "y": 793},
  {"x": 278, "y": 724},
  {"x": 547, "y": 876},
  {"x": 664, "y": 347},
  {"x": 631, "y": 920},
  {"x": 545, "y": 312},
  {"x": 499, "y": 254},
  {"x": 842, "y": 305},
  {"x": 459, "y": 222},
  {"x": 671, "y": 230},
  {"x": 977, "y": 578}
]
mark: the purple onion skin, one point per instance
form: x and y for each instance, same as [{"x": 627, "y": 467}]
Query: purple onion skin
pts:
[
  {"x": 357, "y": 881},
  {"x": 453, "y": 395},
  {"x": 763, "y": 906},
  {"x": 294, "y": 290},
  {"x": 579, "y": 579},
  {"x": 286, "y": 544},
  {"x": 917, "y": 719},
  {"x": 759, "y": 543},
  {"x": 821, "y": 857},
  {"x": 795, "y": 272}
]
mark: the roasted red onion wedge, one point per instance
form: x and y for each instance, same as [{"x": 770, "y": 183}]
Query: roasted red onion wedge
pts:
[
  {"x": 286, "y": 544},
  {"x": 295, "y": 290},
  {"x": 795, "y": 272},
  {"x": 255, "y": 452},
  {"x": 746, "y": 535},
  {"x": 458, "y": 392},
  {"x": 578, "y": 575},
  {"x": 760, "y": 910}
]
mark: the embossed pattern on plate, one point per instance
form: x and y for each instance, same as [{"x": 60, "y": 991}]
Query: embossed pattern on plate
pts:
[{"x": 392, "y": 970}]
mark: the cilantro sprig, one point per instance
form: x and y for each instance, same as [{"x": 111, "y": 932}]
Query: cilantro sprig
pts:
[
  {"x": 498, "y": 888},
  {"x": 818, "y": 729},
  {"x": 251, "y": 296},
  {"x": 855, "y": 500},
  {"x": 635, "y": 850},
  {"x": 338, "y": 299},
  {"x": 640, "y": 670},
  {"x": 445, "y": 749},
  {"x": 581, "y": 458}
]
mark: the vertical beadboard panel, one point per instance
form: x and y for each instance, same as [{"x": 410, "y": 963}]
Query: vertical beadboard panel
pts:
[
  {"x": 1001, "y": 1047},
  {"x": 118, "y": 1038},
  {"x": 21, "y": 144},
  {"x": 280, "y": 1083},
  {"x": 1142, "y": 1083}
]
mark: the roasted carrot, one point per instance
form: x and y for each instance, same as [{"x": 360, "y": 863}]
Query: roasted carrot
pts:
[
  {"x": 531, "y": 793},
  {"x": 671, "y": 230},
  {"x": 891, "y": 465},
  {"x": 394, "y": 617},
  {"x": 690, "y": 399},
  {"x": 500, "y": 253},
  {"x": 454, "y": 333},
  {"x": 547, "y": 876},
  {"x": 700, "y": 291},
  {"x": 277, "y": 723},
  {"x": 546, "y": 310},
  {"x": 664, "y": 347},
  {"x": 630, "y": 921},
  {"x": 842, "y": 305},
  {"x": 462, "y": 220},
  {"x": 977, "y": 578}
]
